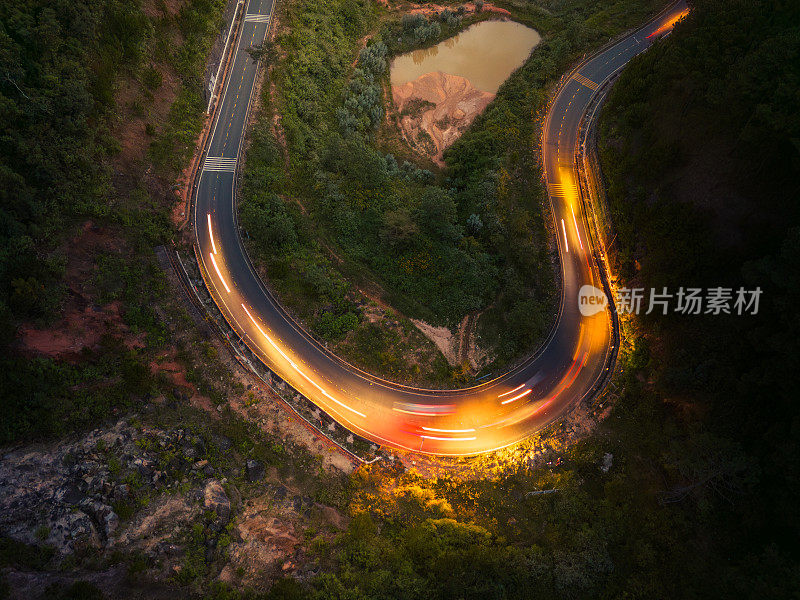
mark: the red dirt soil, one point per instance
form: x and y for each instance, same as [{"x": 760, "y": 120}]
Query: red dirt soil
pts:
[
  {"x": 83, "y": 322},
  {"x": 454, "y": 104},
  {"x": 469, "y": 7}
]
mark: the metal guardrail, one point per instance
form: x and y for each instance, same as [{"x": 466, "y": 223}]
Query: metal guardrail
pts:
[{"x": 585, "y": 134}]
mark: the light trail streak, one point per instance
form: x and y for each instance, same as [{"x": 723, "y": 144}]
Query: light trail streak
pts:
[
  {"x": 417, "y": 413},
  {"x": 433, "y": 429},
  {"x": 219, "y": 273},
  {"x": 517, "y": 397},
  {"x": 669, "y": 24},
  {"x": 565, "y": 383},
  {"x": 519, "y": 387},
  {"x": 296, "y": 368},
  {"x": 211, "y": 234},
  {"x": 422, "y": 410},
  {"x": 562, "y": 364},
  {"x": 577, "y": 231}
]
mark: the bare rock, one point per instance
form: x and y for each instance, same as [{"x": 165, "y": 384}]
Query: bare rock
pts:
[
  {"x": 608, "y": 460},
  {"x": 110, "y": 523},
  {"x": 280, "y": 493},
  {"x": 103, "y": 515},
  {"x": 69, "y": 494},
  {"x": 451, "y": 103},
  {"x": 255, "y": 470},
  {"x": 215, "y": 499},
  {"x": 73, "y": 530}
]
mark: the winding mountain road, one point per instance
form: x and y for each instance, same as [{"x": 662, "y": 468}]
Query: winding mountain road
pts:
[{"x": 445, "y": 422}]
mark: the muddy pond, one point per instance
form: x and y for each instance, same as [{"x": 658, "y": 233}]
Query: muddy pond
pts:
[
  {"x": 437, "y": 92},
  {"x": 485, "y": 54}
]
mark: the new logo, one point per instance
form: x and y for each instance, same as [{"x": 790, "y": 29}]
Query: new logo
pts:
[{"x": 591, "y": 300}]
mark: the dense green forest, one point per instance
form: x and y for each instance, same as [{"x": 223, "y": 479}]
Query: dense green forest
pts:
[
  {"x": 61, "y": 64},
  {"x": 356, "y": 211},
  {"x": 53, "y": 101},
  {"x": 700, "y": 149}
]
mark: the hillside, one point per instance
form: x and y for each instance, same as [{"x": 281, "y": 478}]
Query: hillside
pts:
[{"x": 699, "y": 146}]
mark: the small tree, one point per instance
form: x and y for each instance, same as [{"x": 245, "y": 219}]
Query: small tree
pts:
[{"x": 266, "y": 52}]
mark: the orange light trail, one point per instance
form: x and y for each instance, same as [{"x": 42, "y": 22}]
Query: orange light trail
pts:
[
  {"x": 433, "y": 429},
  {"x": 669, "y": 24},
  {"x": 566, "y": 381},
  {"x": 447, "y": 439},
  {"x": 216, "y": 268},
  {"x": 577, "y": 231},
  {"x": 564, "y": 386},
  {"x": 296, "y": 368},
  {"x": 564, "y": 229}
]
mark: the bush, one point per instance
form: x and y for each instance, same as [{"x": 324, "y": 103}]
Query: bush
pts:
[
  {"x": 79, "y": 590},
  {"x": 266, "y": 220},
  {"x": 333, "y": 327},
  {"x": 363, "y": 101}
]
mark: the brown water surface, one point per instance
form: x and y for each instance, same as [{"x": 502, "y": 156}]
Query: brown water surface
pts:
[{"x": 485, "y": 53}]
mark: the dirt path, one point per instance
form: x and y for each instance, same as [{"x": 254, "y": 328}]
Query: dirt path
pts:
[
  {"x": 465, "y": 329},
  {"x": 435, "y": 109}
]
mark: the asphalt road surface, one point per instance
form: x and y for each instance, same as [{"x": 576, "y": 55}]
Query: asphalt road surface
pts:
[{"x": 446, "y": 422}]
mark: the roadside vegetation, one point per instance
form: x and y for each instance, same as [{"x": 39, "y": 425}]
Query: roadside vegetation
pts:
[
  {"x": 702, "y": 164},
  {"x": 359, "y": 218}
]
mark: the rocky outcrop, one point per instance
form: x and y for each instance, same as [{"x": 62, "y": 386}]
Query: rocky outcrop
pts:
[
  {"x": 144, "y": 492},
  {"x": 269, "y": 533},
  {"x": 435, "y": 109},
  {"x": 64, "y": 495}
]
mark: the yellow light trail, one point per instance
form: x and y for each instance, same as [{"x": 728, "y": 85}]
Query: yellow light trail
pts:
[
  {"x": 577, "y": 232},
  {"x": 211, "y": 234}
]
